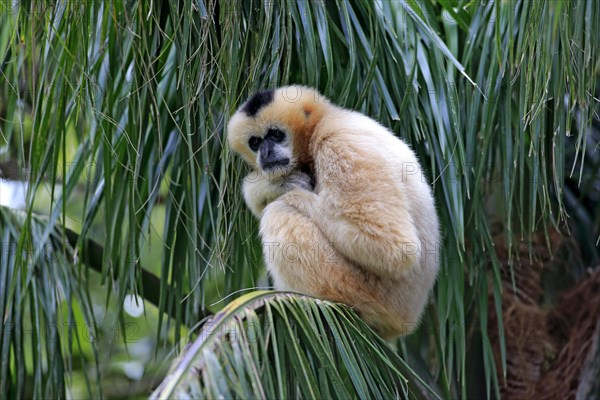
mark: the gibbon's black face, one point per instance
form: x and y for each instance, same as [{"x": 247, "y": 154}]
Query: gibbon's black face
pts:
[
  {"x": 272, "y": 149},
  {"x": 269, "y": 144},
  {"x": 271, "y": 129}
]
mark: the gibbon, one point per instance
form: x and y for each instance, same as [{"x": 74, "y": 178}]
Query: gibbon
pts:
[{"x": 345, "y": 212}]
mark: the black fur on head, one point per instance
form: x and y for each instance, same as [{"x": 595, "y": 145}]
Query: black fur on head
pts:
[{"x": 258, "y": 101}]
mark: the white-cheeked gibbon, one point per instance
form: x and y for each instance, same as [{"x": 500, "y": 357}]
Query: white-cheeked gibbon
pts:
[{"x": 345, "y": 212}]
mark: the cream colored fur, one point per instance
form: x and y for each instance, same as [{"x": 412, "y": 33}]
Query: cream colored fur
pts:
[{"x": 367, "y": 235}]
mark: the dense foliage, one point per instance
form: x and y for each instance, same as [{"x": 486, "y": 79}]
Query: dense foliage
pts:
[{"x": 114, "y": 113}]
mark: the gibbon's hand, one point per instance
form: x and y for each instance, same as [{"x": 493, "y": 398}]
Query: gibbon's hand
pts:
[{"x": 298, "y": 179}]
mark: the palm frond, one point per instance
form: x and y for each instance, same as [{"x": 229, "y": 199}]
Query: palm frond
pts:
[
  {"x": 280, "y": 345},
  {"x": 37, "y": 278}
]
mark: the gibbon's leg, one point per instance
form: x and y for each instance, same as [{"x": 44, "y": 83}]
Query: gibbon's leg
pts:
[
  {"x": 364, "y": 211},
  {"x": 300, "y": 258}
]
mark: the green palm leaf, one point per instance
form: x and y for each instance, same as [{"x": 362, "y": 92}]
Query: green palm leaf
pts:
[
  {"x": 285, "y": 345},
  {"x": 38, "y": 277}
]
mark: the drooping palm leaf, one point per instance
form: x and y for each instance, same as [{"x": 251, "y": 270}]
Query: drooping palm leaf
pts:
[{"x": 37, "y": 278}]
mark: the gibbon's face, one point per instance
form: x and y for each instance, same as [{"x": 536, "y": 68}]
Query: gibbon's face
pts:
[{"x": 272, "y": 129}]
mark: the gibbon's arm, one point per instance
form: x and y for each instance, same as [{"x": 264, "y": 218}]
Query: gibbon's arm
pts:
[
  {"x": 259, "y": 190},
  {"x": 363, "y": 211}
]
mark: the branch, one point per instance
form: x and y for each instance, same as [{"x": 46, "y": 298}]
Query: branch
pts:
[{"x": 92, "y": 254}]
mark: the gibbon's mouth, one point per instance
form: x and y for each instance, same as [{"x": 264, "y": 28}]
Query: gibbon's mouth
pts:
[{"x": 272, "y": 166}]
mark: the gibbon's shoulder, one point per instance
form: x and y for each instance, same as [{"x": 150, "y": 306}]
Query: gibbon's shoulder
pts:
[{"x": 359, "y": 131}]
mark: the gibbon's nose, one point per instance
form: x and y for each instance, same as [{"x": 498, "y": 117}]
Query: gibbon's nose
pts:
[
  {"x": 269, "y": 158},
  {"x": 267, "y": 151}
]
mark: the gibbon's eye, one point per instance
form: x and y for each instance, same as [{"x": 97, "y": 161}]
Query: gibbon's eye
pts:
[
  {"x": 254, "y": 143},
  {"x": 276, "y": 135}
]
